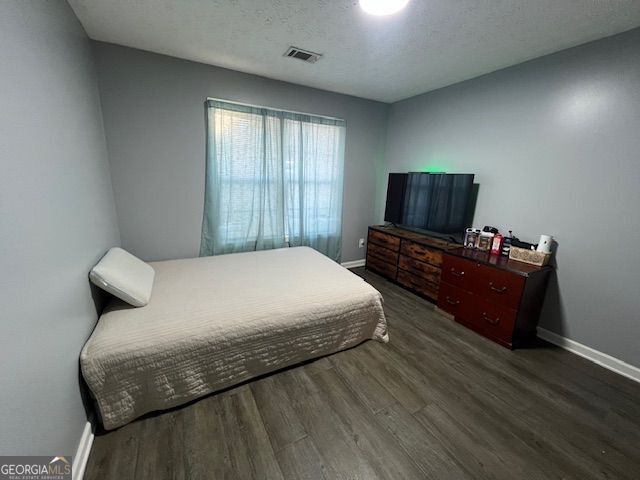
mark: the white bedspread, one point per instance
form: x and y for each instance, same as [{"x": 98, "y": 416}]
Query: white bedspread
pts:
[{"x": 216, "y": 321}]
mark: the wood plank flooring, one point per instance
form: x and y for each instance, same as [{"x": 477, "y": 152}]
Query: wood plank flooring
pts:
[{"x": 436, "y": 402}]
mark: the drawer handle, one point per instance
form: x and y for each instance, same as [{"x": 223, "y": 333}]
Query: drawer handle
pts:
[
  {"x": 492, "y": 321},
  {"x": 456, "y": 273},
  {"x": 498, "y": 290},
  {"x": 452, "y": 302}
]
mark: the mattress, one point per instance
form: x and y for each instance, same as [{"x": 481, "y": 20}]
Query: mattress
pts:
[{"x": 213, "y": 322}]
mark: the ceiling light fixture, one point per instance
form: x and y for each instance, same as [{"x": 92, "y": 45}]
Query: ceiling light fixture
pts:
[{"x": 382, "y": 7}]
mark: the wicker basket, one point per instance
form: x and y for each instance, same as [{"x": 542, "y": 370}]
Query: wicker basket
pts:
[{"x": 529, "y": 256}]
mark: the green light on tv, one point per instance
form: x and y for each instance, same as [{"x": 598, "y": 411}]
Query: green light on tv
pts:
[
  {"x": 438, "y": 162},
  {"x": 434, "y": 168}
]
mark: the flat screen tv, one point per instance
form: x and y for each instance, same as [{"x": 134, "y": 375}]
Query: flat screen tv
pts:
[{"x": 436, "y": 202}]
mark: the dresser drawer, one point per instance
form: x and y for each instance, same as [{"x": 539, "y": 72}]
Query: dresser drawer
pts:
[
  {"x": 422, "y": 253},
  {"x": 418, "y": 284},
  {"x": 497, "y": 321},
  {"x": 456, "y": 301},
  {"x": 460, "y": 273},
  {"x": 382, "y": 267},
  {"x": 382, "y": 253},
  {"x": 499, "y": 286},
  {"x": 492, "y": 284},
  {"x": 491, "y": 319},
  {"x": 421, "y": 269},
  {"x": 384, "y": 240}
]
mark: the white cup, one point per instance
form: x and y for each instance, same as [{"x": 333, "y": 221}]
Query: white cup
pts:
[{"x": 544, "y": 245}]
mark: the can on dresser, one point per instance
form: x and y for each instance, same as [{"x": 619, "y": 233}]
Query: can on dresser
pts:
[
  {"x": 471, "y": 236},
  {"x": 484, "y": 242}
]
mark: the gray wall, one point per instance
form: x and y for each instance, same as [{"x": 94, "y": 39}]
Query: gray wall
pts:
[
  {"x": 57, "y": 217},
  {"x": 555, "y": 147},
  {"x": 154, "y": 121}
]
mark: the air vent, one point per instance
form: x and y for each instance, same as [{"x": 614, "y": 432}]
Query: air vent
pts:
[{"x": 304, "y": 55}]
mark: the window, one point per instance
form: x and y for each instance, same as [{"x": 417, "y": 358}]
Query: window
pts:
[{"x": 273, "y": 178}]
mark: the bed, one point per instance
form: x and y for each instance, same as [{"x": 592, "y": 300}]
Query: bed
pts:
[{"x": 214, "y": 322}]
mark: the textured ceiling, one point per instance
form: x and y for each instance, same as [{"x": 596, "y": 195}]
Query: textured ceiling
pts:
[{"x": 430, "y": 44}]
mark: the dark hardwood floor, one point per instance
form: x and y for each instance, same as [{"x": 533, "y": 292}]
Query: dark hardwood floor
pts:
[{"x": 437, "y": 402}]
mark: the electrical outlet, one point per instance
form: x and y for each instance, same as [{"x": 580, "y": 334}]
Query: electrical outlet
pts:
[{"x": 361, "y": 243}]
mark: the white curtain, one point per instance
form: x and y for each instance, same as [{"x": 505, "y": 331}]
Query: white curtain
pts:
[{"x": 273, "y": 178}]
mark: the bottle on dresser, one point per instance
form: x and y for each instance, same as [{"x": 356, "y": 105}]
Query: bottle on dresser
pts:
[
  {"x": 471, "y": 236},
  {"x": 486, "y": 238},
  {"x": 496, "y": 245},
  {"x": 506, "y": 243}
]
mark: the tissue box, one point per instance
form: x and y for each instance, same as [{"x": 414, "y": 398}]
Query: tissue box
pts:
[{"x": 529, "y": 256}]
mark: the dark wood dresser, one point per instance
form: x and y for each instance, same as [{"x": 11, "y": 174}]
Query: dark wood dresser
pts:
[
  {"x": 497, "y": 297},
  {"x": 411, "y": 259}
]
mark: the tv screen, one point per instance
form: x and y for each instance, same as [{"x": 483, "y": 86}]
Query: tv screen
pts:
[{"x": 437, "y": 202}]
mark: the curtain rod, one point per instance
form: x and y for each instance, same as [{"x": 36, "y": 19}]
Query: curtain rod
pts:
[{"x": 273, "y": 108}]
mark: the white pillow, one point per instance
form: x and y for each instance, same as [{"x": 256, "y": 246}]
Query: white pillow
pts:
[{"x": 125, "y": 276}]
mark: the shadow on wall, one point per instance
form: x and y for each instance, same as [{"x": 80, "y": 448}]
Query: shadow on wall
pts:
[
  {"x": 99, "y": 297},
  {"x": 471, "y": 205},
  {"x": 552, "y": 316}
]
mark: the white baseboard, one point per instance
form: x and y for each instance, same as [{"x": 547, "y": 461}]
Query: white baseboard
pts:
[
  {"x": 82, "y": 453},
  {"x": 602, "y": 359},
  {"x": 353, "y": 264}
]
